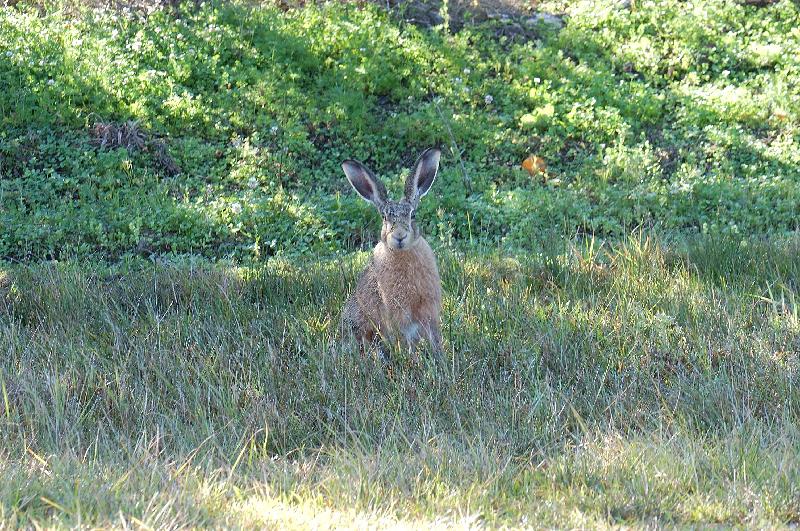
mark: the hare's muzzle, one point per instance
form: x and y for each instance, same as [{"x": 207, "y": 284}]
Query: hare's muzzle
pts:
[{"x": 399, "y": 238}]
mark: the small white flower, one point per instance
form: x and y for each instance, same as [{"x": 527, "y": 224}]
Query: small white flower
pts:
[
  {"x": 488, "y": 99},
  {"x": 252, "y": 183},
  {"x": 274, "y": 129},
  {"x": 457, "y": 79},
  {"x": 77, "y": 43},
  {"x": 537, "y": 80},
  {"x": 362, "y": 50},
  {"x": 236, "y": 208},
  {"x": 51, "y": 82},
  {"x": 467, "y": 71},
  {"x": 9, "y": 53}
]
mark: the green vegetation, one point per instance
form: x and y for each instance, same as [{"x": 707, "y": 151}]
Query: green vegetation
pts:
[
  {"x": 622, "y": 332},
  {"x": 661, "y": 117}
]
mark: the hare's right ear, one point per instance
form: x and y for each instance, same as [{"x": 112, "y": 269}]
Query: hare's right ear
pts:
[{"x": 364, "y": 182}]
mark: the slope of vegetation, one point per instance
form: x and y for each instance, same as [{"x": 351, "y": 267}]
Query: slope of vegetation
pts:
[{"x": 237, "y": 118}]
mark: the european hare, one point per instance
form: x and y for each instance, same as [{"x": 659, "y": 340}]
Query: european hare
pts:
[{"x": 399, "y": 294}]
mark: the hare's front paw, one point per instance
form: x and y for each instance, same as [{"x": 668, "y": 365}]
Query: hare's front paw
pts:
[{"x": 411, "y": 333}]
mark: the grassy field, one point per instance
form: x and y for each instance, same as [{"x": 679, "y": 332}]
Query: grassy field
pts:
[
  {"x": 621, "y": 331},
  {"x": 631, "y": 384}
]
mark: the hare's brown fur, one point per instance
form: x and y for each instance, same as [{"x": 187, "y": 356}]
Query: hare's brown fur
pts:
[{"x": 399, "y": 295}]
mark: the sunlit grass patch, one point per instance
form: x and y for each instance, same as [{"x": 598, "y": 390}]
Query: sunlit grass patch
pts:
[{"x": 600, "y": 479}]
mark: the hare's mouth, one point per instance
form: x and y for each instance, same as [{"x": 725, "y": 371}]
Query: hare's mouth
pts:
[{"x": 399, "y": 241}]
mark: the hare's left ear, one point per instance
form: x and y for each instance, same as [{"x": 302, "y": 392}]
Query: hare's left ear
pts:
[{"x": 423, "y": 175}]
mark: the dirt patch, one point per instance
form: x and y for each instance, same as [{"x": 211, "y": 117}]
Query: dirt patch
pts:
[
  {"x": 131, "y": 136},
  {"x": 667, "y": 154},
  {"x": 111, "y": 135},
  {"x": 513, "y": 19}
]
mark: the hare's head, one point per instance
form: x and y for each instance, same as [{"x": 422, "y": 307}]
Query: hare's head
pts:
[{"x": 399, "y": 230}]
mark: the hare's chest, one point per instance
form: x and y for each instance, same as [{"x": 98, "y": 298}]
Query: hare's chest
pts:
[
  {"x": 410, "y": 291},
  {"x": 415, "y": 303}
]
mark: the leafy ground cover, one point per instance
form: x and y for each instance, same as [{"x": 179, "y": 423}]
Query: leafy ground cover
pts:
[{"x": 657, "y": 116}]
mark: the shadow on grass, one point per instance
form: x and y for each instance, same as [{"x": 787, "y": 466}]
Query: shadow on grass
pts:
[{"x": 538, "y": 351}]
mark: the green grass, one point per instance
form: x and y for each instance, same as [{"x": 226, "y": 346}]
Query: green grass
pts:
[
  {"x": 622, "y": 334},
  {"x": 633, "y": 384}
]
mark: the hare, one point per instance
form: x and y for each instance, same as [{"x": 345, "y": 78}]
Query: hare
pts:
[{"x": 399, "y": 294}]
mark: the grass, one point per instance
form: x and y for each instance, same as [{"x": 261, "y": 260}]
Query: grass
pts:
[
  {"x": 622, "y": 330},
  {"x": 630, "y": 384}
]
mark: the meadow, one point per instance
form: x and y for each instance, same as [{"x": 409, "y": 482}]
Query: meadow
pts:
[{"x": 621, "y": 329}]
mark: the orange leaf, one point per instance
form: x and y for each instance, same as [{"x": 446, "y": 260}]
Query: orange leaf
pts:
[{"x": 534, "y": 165}]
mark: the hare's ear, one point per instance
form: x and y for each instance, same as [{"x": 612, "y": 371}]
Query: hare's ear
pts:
[
  {"x": 364, "y": 182},
  {"x": 423, "y": 175}
]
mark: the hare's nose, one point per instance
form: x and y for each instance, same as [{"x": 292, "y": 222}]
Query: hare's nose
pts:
[{"x": 401, "y": 238}]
